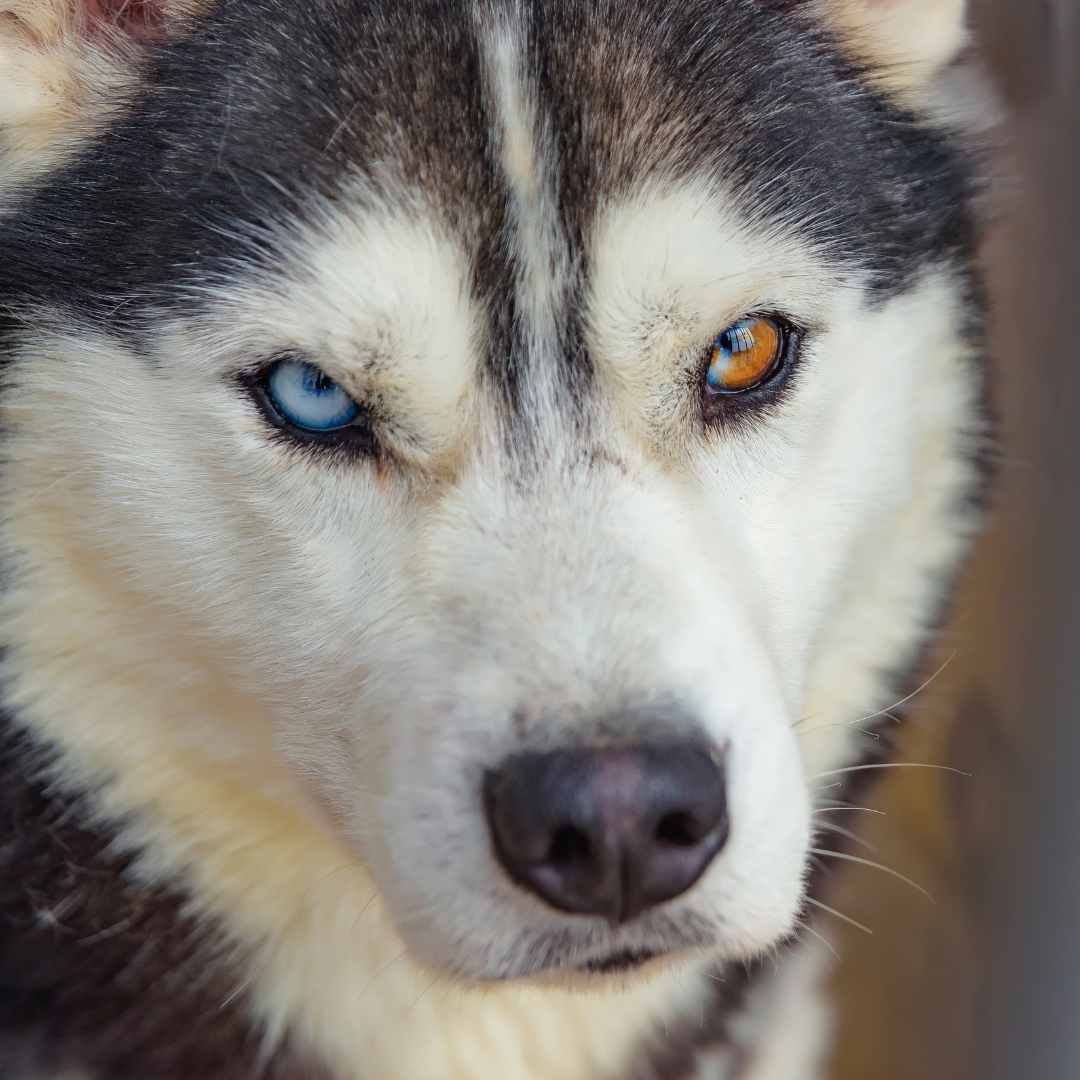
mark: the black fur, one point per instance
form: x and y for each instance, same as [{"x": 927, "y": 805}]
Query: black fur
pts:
[
  {"x": 99, "y": 972},
  {"x": 244, "y": 126},
  {"x": 268, "y": 106}
]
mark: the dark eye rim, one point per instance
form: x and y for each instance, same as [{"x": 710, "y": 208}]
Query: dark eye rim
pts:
[
  {"x": 356, "y": 438},
  {"x": 724, "y": 406}
]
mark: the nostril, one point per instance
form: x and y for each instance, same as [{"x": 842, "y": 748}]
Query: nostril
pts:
[
  {"x": 680, "y": 829},
  {"x": 570, "y": 846},
  {"x": 608, "y": 831}
]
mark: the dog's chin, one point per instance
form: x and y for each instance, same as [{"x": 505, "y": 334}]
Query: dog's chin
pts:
[
  {"x": 594, "y": 966},
  {"x": 615, "y": 971},
  {"x": 620, "y": 963}
]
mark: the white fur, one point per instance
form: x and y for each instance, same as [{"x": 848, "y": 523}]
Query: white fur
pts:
[
  {"x": 380, "y": 300},
  {"x": 898, "y": 378},
  {"x": 285, "y": 677},
  {"x": 110, "y": 498}
]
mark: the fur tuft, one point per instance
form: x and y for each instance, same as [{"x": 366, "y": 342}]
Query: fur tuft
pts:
[{"x": 66, "y": 66}]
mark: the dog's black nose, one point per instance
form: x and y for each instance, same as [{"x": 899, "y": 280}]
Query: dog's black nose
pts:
[{"x": 610, "y": 831}]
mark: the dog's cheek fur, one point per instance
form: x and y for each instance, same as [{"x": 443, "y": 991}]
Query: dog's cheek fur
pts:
[
  {"x": 873, "y": 453},
  {"x": 204, "y": 801},
  {"x": 877, "y": 460}
]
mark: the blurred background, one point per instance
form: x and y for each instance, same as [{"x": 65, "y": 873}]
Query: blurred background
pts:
[{"x": 984, "y": 981}]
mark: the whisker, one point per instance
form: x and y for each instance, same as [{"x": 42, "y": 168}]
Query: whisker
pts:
[
  {"x": 422, "y": 994},
  {"x": 849, "y": 810},
  {"x": 890, "y": 765},
  {"x": 852, "y": 836},
  {"x": 886, "y": 712},
  {"x": 364, "y": 910},
  {"x": 825, "y": 853},
  {"x": 381, "y": 970},
  {"x": 841, "y": 916},
  {"x": 824, "y": 941},
  {"x": 914, "y": 693},
  {"x": 801, "y": 731}
]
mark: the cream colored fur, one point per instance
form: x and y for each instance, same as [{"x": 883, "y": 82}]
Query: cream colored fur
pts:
[
  {"x": 56, "y": 88},
  {"x": 905, "y": 42},
  {"x": 250, "y": 659},
  {"x": 146, "y": 716}
]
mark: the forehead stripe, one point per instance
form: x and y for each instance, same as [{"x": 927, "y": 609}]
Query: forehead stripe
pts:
[{"x": 535, "y": 236}]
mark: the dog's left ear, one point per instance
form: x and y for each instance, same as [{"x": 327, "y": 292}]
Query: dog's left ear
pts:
[
  {"x": 64, "y": 67},
  {"x": 905, "y": 43}
]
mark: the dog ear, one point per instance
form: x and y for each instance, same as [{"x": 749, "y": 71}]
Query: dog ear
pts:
[
  {"x": 906, "y": 43},
  {"x": 65, "y": 64}
]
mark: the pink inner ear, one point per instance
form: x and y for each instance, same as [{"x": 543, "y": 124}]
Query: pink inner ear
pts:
[{"x": 141, "y": 20}]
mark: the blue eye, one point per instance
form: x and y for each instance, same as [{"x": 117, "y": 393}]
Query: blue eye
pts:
[{"x": 308, "y": 398}]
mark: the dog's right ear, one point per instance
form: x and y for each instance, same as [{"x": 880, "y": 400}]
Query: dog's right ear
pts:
[
  {"x": 65, "y": 64},
  {"x": 906, "y": 42},
  {"x": 917, "y": 51}
]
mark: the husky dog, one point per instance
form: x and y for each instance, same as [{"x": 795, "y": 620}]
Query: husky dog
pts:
[{"x": 471, "y": 473}]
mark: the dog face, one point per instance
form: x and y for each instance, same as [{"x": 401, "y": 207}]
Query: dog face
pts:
[{"x": 552, "y": 421}]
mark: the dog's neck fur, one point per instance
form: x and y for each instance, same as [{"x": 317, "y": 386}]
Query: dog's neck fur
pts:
[{"x": 101, "y": 973}]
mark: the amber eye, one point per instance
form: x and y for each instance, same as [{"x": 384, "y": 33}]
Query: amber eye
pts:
[{"x": 744, "y": 356}]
